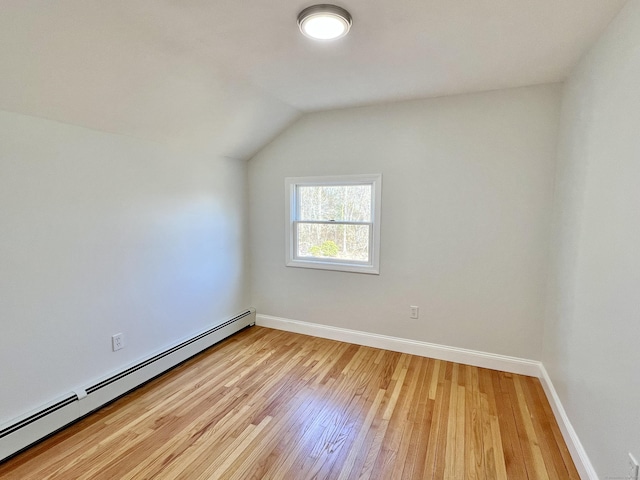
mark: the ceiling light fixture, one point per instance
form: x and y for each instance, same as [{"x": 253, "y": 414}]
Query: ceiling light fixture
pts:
[{"x": 324, "y": 22}]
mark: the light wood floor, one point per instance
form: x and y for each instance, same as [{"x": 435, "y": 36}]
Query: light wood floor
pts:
[{"x": 266, "y": 404}]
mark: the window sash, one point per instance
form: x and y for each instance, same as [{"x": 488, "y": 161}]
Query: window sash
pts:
[
  {"x": 337, "y": 261},
  {"x": 342, "y": 183}
]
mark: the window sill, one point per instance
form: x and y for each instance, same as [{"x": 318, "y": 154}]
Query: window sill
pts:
[{"x": 336, "y": 266}]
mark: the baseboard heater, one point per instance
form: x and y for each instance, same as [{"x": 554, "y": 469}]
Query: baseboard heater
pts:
[{"x": 33, "y": 427}]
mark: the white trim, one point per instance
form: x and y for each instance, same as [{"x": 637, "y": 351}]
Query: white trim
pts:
[
  {"x": 476, "y": 358},
  {"x": 291, "y": 218},
  {"x": 424, "y": 349},
  {"x": 577, "y": 451}
]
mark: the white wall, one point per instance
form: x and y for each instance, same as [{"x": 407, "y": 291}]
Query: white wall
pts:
[
  {"x": 466, "y": 200},
  {"x": 592, "y": 334},
  {"x": 101, "y": 234}
]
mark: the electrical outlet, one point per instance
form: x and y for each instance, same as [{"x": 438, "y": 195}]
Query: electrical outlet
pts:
[
  {"x": 633, "y": 467},
  {"x": 413, "y": 311},
  {"x": 117, "y": 341}
]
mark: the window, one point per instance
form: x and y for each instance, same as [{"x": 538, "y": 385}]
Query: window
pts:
[{"x": 333, "y": 223}]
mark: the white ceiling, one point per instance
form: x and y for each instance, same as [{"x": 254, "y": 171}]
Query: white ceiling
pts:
[{"x": 225, "y": 76}]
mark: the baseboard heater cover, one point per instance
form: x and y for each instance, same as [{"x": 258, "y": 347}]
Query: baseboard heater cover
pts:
[{"x": 23, "y": 433}]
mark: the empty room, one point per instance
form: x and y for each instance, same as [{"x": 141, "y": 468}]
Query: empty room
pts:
[{"x": 286, "y": 240}]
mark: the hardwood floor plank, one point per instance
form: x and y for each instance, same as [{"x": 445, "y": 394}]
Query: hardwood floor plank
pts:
[
  {"x": 551, "y": 455},
  {"x": 353, "y": 384},
  {"x": 437, "y": 397},
  {"x": 494, "y": 426},
  {"x": 511, "y": 448},
  {"x": 451, "y": 443},
  {"x": 348, "y": 468},
  {"x": 267, "y": 404},
  {"x": 439, "y": 446},
  {"x": 373, "y": 453},
  {"x": 396, "y": 444},
  {"x": 418, "y": 416},
  {"x": 476, "y": 467},
  {"x": 567, "y": 468},
  {"x": 533, "y": 442}
]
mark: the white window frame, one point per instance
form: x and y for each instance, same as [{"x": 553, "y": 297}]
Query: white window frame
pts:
[{"x": 291, "y": 218}]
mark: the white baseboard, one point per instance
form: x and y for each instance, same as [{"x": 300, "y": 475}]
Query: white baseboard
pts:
[
  {"x": 424, "y": 349},
  {"x": 578, "y": 453},
  {"x": 476, "y": 358}
]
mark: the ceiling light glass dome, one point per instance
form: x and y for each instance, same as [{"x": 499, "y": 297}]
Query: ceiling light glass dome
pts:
[{"x": 324, "y": 22}]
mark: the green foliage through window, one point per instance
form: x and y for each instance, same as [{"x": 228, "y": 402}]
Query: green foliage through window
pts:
[{"x": 328, "y": 249}]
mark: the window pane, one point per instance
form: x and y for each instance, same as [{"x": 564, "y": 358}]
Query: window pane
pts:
[
  {"x": 347, "y": 203},
  {"x": 348, "y": 242}
]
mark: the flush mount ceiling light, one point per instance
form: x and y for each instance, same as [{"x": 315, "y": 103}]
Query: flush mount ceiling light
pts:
[{"x": 324, "y": 22}]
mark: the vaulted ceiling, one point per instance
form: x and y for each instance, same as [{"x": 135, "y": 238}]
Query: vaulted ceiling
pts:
[{"x": 225, "y": 76}]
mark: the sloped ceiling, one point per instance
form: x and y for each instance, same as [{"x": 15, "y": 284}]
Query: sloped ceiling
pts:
[{"x": 225, "y": 76}]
